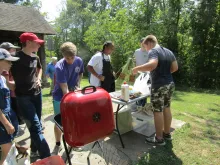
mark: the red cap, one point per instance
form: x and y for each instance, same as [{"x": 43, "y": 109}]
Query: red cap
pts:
[{"x": 24, "y": 37}]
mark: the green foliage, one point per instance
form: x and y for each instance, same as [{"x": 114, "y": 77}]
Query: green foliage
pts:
[
  {"x": 189, "y": 29},
  {"x": 10, "y": 1},
  {"x": 206, "y": 35}
]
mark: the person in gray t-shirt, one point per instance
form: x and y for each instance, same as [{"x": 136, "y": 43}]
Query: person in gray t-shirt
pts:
[
  {"x": 162, "y": 63},
  {"x": 141, "y": 57}
]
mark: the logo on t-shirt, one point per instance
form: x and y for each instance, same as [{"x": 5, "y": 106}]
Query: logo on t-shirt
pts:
[
  {"x": 33, "y": 64},
  {"x": 77, "y": 69}
]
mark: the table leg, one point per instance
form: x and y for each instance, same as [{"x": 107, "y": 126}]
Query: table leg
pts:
[
  {"x": 67, "y": 152},
  {"x": 118, "y": 108}
]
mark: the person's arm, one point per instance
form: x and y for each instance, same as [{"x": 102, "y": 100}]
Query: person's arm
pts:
[
  {"x": 8, "y": 126},
  {"x": 94, "y": 61},
  {"x": 151, "y": 65},
  {"x": 10, "y": 84},
  {"x": 174, "y": 67},
  {"x": 39, "y": 75},
  {"x": 39, "y": 72},
  {"x": 92, "y": 71},
  {"x": 64, "y": 88}
]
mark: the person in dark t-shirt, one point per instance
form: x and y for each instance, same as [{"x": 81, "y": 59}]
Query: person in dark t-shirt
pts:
[
  {"x": 162, "y": 63},
  {"x": 27, "y": 74}
]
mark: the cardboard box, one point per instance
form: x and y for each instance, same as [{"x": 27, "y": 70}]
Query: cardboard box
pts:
[{"x": 124, "y": 119}]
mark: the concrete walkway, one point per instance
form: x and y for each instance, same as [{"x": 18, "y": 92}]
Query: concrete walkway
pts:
[{"x": 113, "y": 153}]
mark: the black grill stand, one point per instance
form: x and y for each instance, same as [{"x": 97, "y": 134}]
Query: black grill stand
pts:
[
  {"x": 70, "y": 150},
  {"x": 57, "y": 120}
]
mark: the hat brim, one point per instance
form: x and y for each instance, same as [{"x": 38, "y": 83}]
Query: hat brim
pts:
[
  {"x": 41, "y": 42},
  {"x": 15, "y": 47},
  {"x": 11, "y": 58}
]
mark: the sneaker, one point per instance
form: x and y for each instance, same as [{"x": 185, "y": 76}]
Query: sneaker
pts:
[
  {"x": 77, "y": 149},
  {"x": 56, "y": 150},
  {"x": 34, "y": 154},
  {"x": 167, "y": 136},
  {"x": 155, "y": 141}
]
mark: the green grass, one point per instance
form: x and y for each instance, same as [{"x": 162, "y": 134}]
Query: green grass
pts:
[
  {"x": 198, "y": 142},
  {"x": 47, "y": 99}
]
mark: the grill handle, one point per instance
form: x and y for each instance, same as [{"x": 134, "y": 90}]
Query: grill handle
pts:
[{"x": 84, "y": 89}]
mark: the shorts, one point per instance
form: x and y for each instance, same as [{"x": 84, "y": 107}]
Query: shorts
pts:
[
  {"x": 4, "y": 136},
  {"x": 161, "y": 97},
  {"x": 56, "y": 107}
]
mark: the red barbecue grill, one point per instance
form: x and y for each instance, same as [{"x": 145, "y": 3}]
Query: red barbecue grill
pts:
[{"x": 87, "y": 115}]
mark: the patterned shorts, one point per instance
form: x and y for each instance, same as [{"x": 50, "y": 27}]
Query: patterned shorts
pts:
[{"x": 161, "y": 97}]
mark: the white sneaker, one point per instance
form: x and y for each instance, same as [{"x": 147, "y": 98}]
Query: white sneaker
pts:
[{"x": 56, "y": 150}]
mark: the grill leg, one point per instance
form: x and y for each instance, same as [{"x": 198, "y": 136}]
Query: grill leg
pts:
[
  {"x": 88, "y": 161},
  {"x": 118, "y": 108},
  {"x": 67, "y": 152}
]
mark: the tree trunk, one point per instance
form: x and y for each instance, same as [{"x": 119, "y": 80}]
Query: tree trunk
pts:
[{"x": 42, "y": 56}]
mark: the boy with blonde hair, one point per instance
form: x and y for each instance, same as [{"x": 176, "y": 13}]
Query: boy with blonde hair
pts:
[{"x": 68, "y": 74}]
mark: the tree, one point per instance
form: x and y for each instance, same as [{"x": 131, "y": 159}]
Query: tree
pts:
[
  {"x": 191, "y": 30},
  {"x": 9, "y": 1},
  {"x": 205, "y": 60},
  {"x": 113, "y": 24},
  {"x": 34, "y": 3}
]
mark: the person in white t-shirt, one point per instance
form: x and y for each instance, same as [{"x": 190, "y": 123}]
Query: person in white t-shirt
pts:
[{"x": 101, "y": 70}]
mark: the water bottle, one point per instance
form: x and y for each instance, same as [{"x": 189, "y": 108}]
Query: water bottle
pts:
[{"x": 125, "y": 91}]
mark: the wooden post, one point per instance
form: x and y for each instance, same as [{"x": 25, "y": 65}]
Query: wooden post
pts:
[{"x": 42, "y": 56}]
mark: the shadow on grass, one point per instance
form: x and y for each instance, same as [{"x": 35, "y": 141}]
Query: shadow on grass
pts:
[
  {"x": 212, "y": 131},
  {"x": 177, "y": 95},
  {"x": 198, "y": 90},
  {"x": 162, "y": 155}
]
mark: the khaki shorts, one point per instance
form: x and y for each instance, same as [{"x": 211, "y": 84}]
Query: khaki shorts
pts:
[{"x": 161, "y": 97}]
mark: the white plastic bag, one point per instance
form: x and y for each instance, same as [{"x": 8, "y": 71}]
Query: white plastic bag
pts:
[
  {"x": 23, "y": 159},
  {"x": 11, "y": 157},
  {"x": 141, "y": 83}
]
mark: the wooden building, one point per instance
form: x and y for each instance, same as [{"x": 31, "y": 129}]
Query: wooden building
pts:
[{"x": 15, "y": 19}]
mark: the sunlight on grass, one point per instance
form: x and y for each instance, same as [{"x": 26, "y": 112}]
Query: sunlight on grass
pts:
[{"x": 47, "y": 99}]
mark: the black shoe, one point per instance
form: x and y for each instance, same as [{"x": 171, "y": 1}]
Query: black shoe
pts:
[
  {"x": 155, "y": 141},
  {"x": 167, "y": 136}
]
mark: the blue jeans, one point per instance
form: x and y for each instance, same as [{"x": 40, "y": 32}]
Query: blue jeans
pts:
[{"x": 31, "y": 108}]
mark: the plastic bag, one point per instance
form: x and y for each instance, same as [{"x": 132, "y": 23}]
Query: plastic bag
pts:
[
  {"x": 23, "y": 160},
  {"x": 11, "y": 157},
  {"x": 142, "y": 83}
]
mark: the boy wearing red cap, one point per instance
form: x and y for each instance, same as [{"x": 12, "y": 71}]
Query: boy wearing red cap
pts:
[{"x": 27, "y": 74}]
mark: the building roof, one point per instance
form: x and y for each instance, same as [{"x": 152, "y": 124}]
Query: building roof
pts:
[{"x": 23, "y": 19}]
